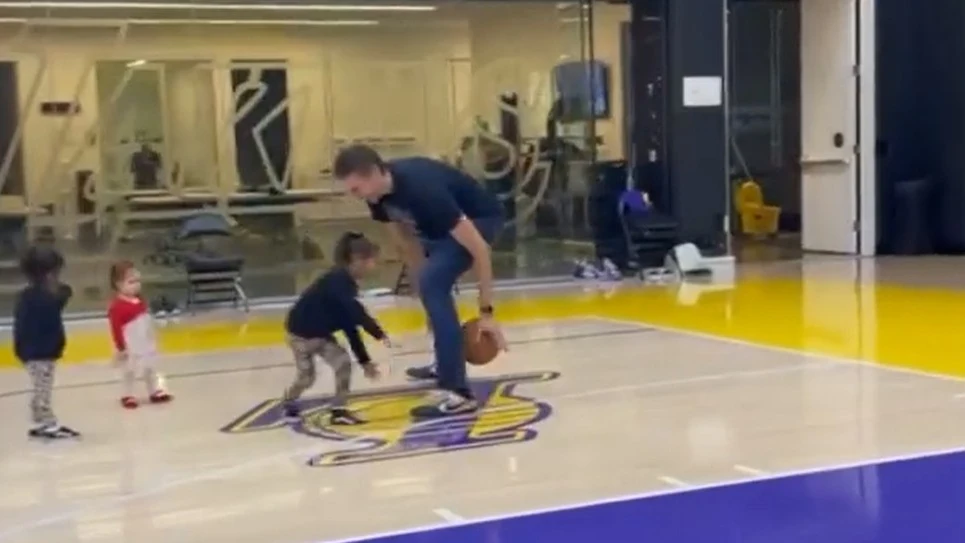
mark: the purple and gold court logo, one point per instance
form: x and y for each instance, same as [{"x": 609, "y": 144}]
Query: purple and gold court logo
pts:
[{"x": 392, "y": 433}]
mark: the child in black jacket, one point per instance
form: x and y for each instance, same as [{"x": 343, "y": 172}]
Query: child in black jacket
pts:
[
  {"x": 39, "y": 337},
  {"x": 330, "y": 305}
]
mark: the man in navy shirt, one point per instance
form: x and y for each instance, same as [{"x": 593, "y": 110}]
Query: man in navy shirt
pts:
[{"x": 443, "y": 222}]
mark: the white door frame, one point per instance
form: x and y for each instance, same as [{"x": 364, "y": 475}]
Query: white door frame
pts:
[
  {"x": 825, "y": 166},
  {"x": 867, "y": 130}
]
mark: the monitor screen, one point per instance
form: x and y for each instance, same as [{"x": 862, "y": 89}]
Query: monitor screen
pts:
[{"x": 583, "y": 89}]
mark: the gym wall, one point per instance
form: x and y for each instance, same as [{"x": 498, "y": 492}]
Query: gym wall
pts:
[{"x": 343, "y": 83}]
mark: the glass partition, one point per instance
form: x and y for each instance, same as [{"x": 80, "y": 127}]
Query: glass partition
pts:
[{"x": 130, "y": 120}]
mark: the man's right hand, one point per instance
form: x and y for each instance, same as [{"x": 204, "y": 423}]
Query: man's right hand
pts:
[{"x": 488, "y": 325}]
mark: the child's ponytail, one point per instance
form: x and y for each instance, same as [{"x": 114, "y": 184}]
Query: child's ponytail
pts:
[{"x": 354, "y": 245}]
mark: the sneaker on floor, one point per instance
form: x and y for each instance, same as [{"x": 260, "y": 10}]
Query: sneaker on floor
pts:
[
  {"x": 422, "y": 373},
  {"x": 446, "y": 405},
  {"x": 161, "y": 397},
  {"x": 290, "y": 411},
  {"x": 170, "y": 307},
  {"x": 63, "y": 431},
  {"x": 611, "y": 271},
  {"x": 129, "y": 402},
  {"x": 585, "y": 270},
  {"x": 40, "y": 431},
  {"x": 345, "y": 417},
  {"x": 53, "y": 431}
]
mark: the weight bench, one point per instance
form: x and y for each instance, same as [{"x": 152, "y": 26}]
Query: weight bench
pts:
[{"x": 214, "y": 279}]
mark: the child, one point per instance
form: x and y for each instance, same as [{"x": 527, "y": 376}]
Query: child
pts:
[
  {"x": 329, "y": 305},
  {"x": 39, "y": 337},
  {"x": 132, "y": 330}
]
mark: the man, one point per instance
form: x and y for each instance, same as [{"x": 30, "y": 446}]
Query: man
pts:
[
  {"x": 145, "y": 165},
  {"x": 443, "y": 223}
]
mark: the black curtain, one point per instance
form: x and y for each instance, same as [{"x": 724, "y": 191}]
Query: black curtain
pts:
[
  {"x": 276, "y": 135},
  {"x": 921, "y": 115}
]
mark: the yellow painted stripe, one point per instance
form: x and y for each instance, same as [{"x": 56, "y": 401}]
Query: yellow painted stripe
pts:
[
  {"x": 85, "y": 346},
  {"x": 916, "y": 328}
]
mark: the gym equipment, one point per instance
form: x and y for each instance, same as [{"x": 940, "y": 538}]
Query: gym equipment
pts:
[
  {"x": 627, "y": 229},
  {"x": 212, "y": 277},
  {"x": 649, "y": 235}
]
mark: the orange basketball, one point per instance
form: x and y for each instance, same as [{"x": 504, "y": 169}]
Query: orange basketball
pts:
[{"x": 480, "y": 349}]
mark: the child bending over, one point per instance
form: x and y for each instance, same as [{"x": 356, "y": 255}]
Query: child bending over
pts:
[{"x": 331, "y": 305}]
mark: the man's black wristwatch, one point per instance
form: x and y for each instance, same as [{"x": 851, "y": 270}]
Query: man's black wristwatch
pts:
[{"x": 486, "y": 310}]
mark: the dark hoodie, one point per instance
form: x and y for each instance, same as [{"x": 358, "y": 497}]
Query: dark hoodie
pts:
[
  {"x": 38, "y": 322},
  {"x": 331, "y": 305}
]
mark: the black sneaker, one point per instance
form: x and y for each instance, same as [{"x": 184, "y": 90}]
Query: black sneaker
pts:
[
  {"x": 53, "y": 431},
  {"x": 422, "y": 373},
  {"x": 447, "y": 405},
  {"x": 170, "y": 307},
  {"x": 290, "y": 411},
  {"x": 63, "y": 431},
  {"x": 345, "y": 417}
]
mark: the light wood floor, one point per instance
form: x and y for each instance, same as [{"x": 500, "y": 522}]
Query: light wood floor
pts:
[{"x": 608, "y": 407}]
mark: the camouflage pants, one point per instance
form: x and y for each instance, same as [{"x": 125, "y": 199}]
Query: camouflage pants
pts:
[{"x": 304, "y": 352}]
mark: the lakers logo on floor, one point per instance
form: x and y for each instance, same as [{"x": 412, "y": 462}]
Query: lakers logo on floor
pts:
[{"x": 392, "y": 433}]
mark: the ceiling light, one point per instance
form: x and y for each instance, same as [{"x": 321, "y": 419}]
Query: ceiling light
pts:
[
  {"x": 255, "y": 22},
  {"x": 136, "y": 63},
  {"x": 562, "y": 6},
  {"x": 216, "y": 6},
  {"x": 333, "y": 22}
]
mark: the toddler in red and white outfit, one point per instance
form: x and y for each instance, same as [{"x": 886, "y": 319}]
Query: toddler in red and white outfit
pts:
[{"x": 132, "y": 329}]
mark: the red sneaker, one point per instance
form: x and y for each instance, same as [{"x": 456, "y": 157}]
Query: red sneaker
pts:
[
  {"x": 128, "y": 402},
  {"x": 161, "y": 397}
]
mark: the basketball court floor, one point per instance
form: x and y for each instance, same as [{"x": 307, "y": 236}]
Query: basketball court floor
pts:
[{"x": 790, "y": 408}]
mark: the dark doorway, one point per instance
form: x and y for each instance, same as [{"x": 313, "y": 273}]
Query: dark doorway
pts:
[
  {"x": 764, "y": 80},
  {"x": 9, "y": 117},
  {"x": 262, "y": 91}
]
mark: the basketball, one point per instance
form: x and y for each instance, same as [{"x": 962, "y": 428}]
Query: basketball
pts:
[{"x": 480, "y": 349}]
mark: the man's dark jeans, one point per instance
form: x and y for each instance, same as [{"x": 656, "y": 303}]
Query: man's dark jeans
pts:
[{"x": 446, "y": 261}]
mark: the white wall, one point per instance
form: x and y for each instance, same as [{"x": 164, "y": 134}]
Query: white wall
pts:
[
  {"x": 368, "y": 67},
  {"x": 344, "y": 82},
  {"x": 191, "y": 138},
  {"x": 57, "y": 73}
]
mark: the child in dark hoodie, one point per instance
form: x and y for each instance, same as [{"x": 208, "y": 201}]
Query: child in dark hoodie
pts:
[
  {"x": 38, "y": 334},
  {"x": 328, "y": 306}
]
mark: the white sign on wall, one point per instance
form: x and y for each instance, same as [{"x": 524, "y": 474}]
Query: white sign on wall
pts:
[{"x": 703, "y": 91}]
